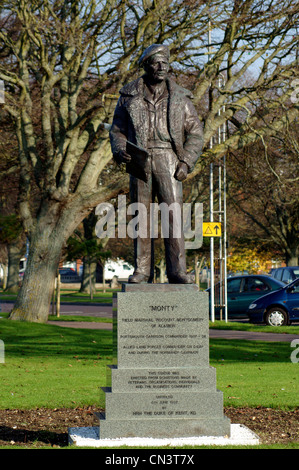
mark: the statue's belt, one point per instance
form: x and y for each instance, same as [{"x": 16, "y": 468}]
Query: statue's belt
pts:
[{"x": 158, "y": 144}]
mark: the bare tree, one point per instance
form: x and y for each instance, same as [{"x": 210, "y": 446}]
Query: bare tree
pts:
[
  {"x": 12, "y": 236},
  {"x": 264, "y": 190},
  {"x": 63, "y": 64}
]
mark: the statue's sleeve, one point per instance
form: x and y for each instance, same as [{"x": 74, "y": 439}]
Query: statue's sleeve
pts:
[
  {"x": 193, "y": 129},
  {"x": 119, "y": 129}
]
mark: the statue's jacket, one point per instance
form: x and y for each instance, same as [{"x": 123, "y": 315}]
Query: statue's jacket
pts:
[{"x": 130, "y": 121}]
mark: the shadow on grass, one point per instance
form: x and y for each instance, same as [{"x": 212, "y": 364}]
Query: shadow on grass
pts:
[
  {"x": 39, "y": 438},
  {"x": 26, "y": 339},
  {"x": 23, "y": 338},
  {"x": 249, "y": 351}
]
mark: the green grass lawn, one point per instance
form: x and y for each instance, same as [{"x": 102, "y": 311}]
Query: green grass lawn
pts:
[
  {"x": 47, "y": 366},
  {"x": 239, "y": 326},
  {"x": 50, "y": 366},
  {"x": 53, "y": 367},
  {"x": 80, "y": 318},
  {"x": 255, "y": 373}
]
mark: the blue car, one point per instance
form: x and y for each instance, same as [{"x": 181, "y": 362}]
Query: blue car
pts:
[
  {"x": 277, "y": 308},
  {"x": 286, "y": 275},
  {"x": 242, "y": 291}
]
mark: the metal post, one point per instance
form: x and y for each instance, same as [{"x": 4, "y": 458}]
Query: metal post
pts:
[
  {"x": 220, "y": 243},
  {"x": 224, "y": 224},
  {"x": 223, "y": 245},
  {"x": 221, "y": 285},
  {"x": 212, "y": 287},
  {"x": 212, "y": 246},
  {"x": 225, "y": 237}
]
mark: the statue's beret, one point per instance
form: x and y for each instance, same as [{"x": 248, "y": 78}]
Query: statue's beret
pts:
[{"x": 154, "y": 49}]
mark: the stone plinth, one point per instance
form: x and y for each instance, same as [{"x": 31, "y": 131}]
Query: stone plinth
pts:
[{"x": 161, "y": 384}]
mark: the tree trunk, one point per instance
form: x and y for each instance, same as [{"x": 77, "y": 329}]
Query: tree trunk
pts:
[
  {"x": 58, "y": 294},
  {"x": 292, "y": 254},
  {"x": 55, "y": 224},
  {"x": 162, "y": 275},
  {"x": 51, "y": 230},
  {"x": 33, "y": 301},
  {"x": 196, "y": 269},
  {"x": 86, "y": 281},
  {"x": 5, "y": 273},
  {"x": 14, "y": 256},
  {"x": 292, "y": 260},
  {"x": 104, "y": 279}
]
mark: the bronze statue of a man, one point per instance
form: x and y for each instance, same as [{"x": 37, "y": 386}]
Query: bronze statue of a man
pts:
[{"x": 156, "y": 114}]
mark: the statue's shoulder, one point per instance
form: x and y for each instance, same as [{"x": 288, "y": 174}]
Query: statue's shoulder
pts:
[
  {"x": 178, "y": 89},
  {"x": 132, "y": 88}
]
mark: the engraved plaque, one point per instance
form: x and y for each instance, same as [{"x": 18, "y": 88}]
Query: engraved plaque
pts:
[{"x": 160, "y": 331}]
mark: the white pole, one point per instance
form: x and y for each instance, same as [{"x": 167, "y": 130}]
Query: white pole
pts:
[
  {"x": 211, "y": 211},
  {"x": 212, "y": 246},
  {"x": 224, "y": 226},
  {"x": 225, "y": 237},
  {"x": 221, "y": 284}
]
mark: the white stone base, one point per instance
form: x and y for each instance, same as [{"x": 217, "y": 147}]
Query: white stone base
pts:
[{"x": 89, "y": 436}]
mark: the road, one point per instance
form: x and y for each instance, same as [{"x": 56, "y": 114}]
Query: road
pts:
[
  {"x": 85, "y": 309},
  {"x": 68, "y": 308},
  {"x": 253, "y": 335}
]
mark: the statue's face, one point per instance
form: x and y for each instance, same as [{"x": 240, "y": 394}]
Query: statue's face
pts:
[{"x": 157, "y": 68}]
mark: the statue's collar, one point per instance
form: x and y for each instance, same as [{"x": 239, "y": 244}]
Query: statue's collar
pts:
[{"x": 137, "y": 88}]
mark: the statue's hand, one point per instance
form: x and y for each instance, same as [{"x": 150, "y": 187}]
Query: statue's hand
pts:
[
  {"x": 122, "y": 157},
  {"x": 181, "y": 172}
]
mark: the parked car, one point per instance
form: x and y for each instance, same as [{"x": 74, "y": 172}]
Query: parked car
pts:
[
  {"x": 286, "y": 275},
  {"x": 68, "y": 275},
  {"x": 238, "y": 273},
  {"x": 67, "y": 272},
  {"x": 119, "y": 269},
  {"x": 277, "y": 308},
  {"x": 243, "y": 290}
]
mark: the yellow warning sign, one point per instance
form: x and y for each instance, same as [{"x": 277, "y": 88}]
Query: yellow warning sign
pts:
[{"x": 211, "y": 229}]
